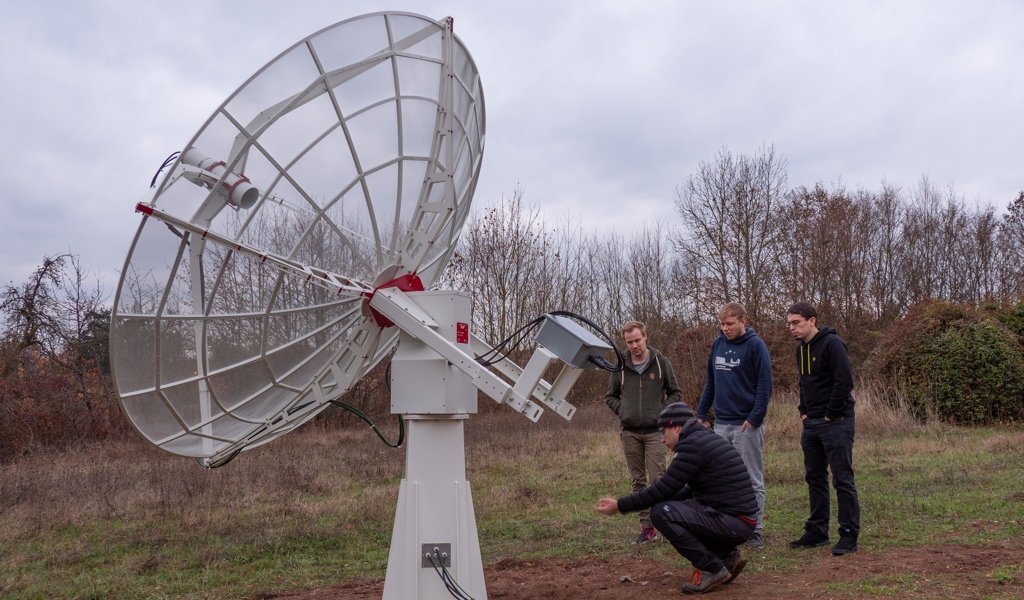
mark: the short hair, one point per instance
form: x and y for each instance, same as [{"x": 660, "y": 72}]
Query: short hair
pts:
[
  {"x": 631, "y": 325},
  {"x": 804, "y": 309},
  {"x": 733, "y": 309}
]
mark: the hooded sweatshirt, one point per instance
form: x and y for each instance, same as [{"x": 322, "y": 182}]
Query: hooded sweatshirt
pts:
[
  {"x": 826, "y": 378},
  {"x": 739, "y": 380},
  {"x": 637, "y": 398}
]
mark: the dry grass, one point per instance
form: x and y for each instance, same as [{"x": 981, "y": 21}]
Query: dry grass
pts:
[
  {"x": 882, "y": 412},
  {"x": 317, "y": 505},
  {"x": 1006, "y": 443},
  {"x": 307, "y": 471}
]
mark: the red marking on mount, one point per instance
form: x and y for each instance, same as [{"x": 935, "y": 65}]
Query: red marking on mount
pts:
[{"x": 410, "y": 282}]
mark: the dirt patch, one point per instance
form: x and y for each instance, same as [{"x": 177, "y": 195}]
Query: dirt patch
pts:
[{"x": 927, "y": 572}]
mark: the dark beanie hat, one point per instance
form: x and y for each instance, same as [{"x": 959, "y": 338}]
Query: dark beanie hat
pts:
[{"x": 674, "y": 414}]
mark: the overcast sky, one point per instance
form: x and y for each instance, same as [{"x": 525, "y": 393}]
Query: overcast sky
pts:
[{"x": 597, "y": 109}]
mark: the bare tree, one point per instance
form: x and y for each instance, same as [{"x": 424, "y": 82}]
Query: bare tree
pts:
[
  {"x": 54, "y": 387},
  {"x": 732, "y": 229},
  {"x": 30, "y": 312},
  {"x": 501, "y": 261},
  {"x": 887, "y": 229},
  {"x": 1011, "y": 250}
]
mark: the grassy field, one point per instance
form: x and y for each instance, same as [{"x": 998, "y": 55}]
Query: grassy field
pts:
[{"x": 316, "y": 507}]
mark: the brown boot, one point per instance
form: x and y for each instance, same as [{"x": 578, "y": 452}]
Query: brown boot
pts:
[{"x": 735, "y": 563}]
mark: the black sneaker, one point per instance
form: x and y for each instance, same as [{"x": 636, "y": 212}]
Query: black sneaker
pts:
[
  {"x": 755, "y": 541},
  {"x": 810, "y": 540},
  {"x": 845, "y": 545},
  {"x": 705, "y": 581},
  {"x": 735, "y": 563}
]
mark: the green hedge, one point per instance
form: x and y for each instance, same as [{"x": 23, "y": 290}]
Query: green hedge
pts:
[{"x": 964, "y": 364}]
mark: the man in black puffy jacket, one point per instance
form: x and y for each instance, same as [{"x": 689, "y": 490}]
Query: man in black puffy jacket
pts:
[{"x": 703, "y": 504}]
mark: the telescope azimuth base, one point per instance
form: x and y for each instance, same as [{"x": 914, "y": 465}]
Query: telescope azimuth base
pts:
[{"x": 435, "y": 502}]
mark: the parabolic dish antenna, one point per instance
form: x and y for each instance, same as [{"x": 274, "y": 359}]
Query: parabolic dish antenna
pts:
[{"x": 356, "y": 151}]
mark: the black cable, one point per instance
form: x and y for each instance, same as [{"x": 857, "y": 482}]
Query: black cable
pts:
[
  {"x": 167, "y": 161},
  {"x": 512, "y": 343},
  {"x": 220, "y": 463},
  {"x": 447, "y": 585},
  {"x": 449, "y": 582},
  {"x": 514, "y": 339},
  {"x": 597, "y": 360},
  {"x": 498, "y": 351},
  {"x": 359, "y": 413},
  {"x": 455, "y": 583}
]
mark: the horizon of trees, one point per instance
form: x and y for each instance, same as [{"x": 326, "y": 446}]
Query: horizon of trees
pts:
[{"x": 864, "y": 257}]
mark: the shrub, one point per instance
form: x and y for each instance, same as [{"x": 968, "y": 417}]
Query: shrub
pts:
[{"x": 961, "y": 363}]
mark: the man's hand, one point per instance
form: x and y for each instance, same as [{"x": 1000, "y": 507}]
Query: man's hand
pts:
[
  {"x": 705, "y": 423},
  {"x": 607, "y": 506},
  {"x": 745, "y": 426}
]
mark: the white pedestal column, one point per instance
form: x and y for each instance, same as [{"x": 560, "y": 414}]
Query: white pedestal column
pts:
[
  {"x": 435, "y": 509},
  {"x": 435, "y": 503}
]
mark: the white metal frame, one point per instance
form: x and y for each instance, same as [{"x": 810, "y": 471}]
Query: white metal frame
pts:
[{"x": 452, "y": 162}]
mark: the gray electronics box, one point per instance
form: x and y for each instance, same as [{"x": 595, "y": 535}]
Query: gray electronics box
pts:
[{"x": 569, "y": 341}]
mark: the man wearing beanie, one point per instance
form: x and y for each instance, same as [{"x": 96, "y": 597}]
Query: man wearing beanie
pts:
[{"x": 703, "y": 504}]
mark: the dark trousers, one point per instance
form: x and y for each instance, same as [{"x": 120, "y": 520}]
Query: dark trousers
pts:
[
  {"x": 829, "y": 445},
  {"x": 701, "y": 534}
]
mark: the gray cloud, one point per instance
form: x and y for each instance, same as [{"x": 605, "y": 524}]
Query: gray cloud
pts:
[{"x": 597, "y": 109}]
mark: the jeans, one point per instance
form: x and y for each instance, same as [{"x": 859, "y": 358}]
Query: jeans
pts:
[
  {"x": 645, "y": 458},
  {"x": 701, "y": 534},
  {"x": 829, "y": 445},
  {"x": 749, "y": 444}
]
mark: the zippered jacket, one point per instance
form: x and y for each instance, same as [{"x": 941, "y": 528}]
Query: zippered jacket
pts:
[
  {"x": 637, "y": 398},
  {"x": 739, "y": 380},
  {"x": 704, "y": 467},
  {"x": 826, "y": 378}
]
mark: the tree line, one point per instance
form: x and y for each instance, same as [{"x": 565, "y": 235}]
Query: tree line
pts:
[{"x": 864, "y": 257}]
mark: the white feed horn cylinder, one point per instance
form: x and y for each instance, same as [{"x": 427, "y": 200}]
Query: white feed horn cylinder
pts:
[{"x": 235, "y": 188}]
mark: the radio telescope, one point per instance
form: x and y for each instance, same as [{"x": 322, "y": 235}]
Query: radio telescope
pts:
[{"x": 286, "y": 251}]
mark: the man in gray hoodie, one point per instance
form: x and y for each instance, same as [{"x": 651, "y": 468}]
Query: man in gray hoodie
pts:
[{"x": 637, "y": 395}]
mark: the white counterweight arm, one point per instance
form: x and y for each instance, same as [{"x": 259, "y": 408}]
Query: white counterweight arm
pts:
[{"x": 551, "y": 394}]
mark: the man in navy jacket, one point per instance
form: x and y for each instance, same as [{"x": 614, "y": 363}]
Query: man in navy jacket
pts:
[{"x": 739, "y": 386}]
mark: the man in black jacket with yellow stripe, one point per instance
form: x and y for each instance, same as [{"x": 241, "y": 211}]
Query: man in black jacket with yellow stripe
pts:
[
  {"x": 703, "y": 504},
  {"x": 826, "y": 409}
]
